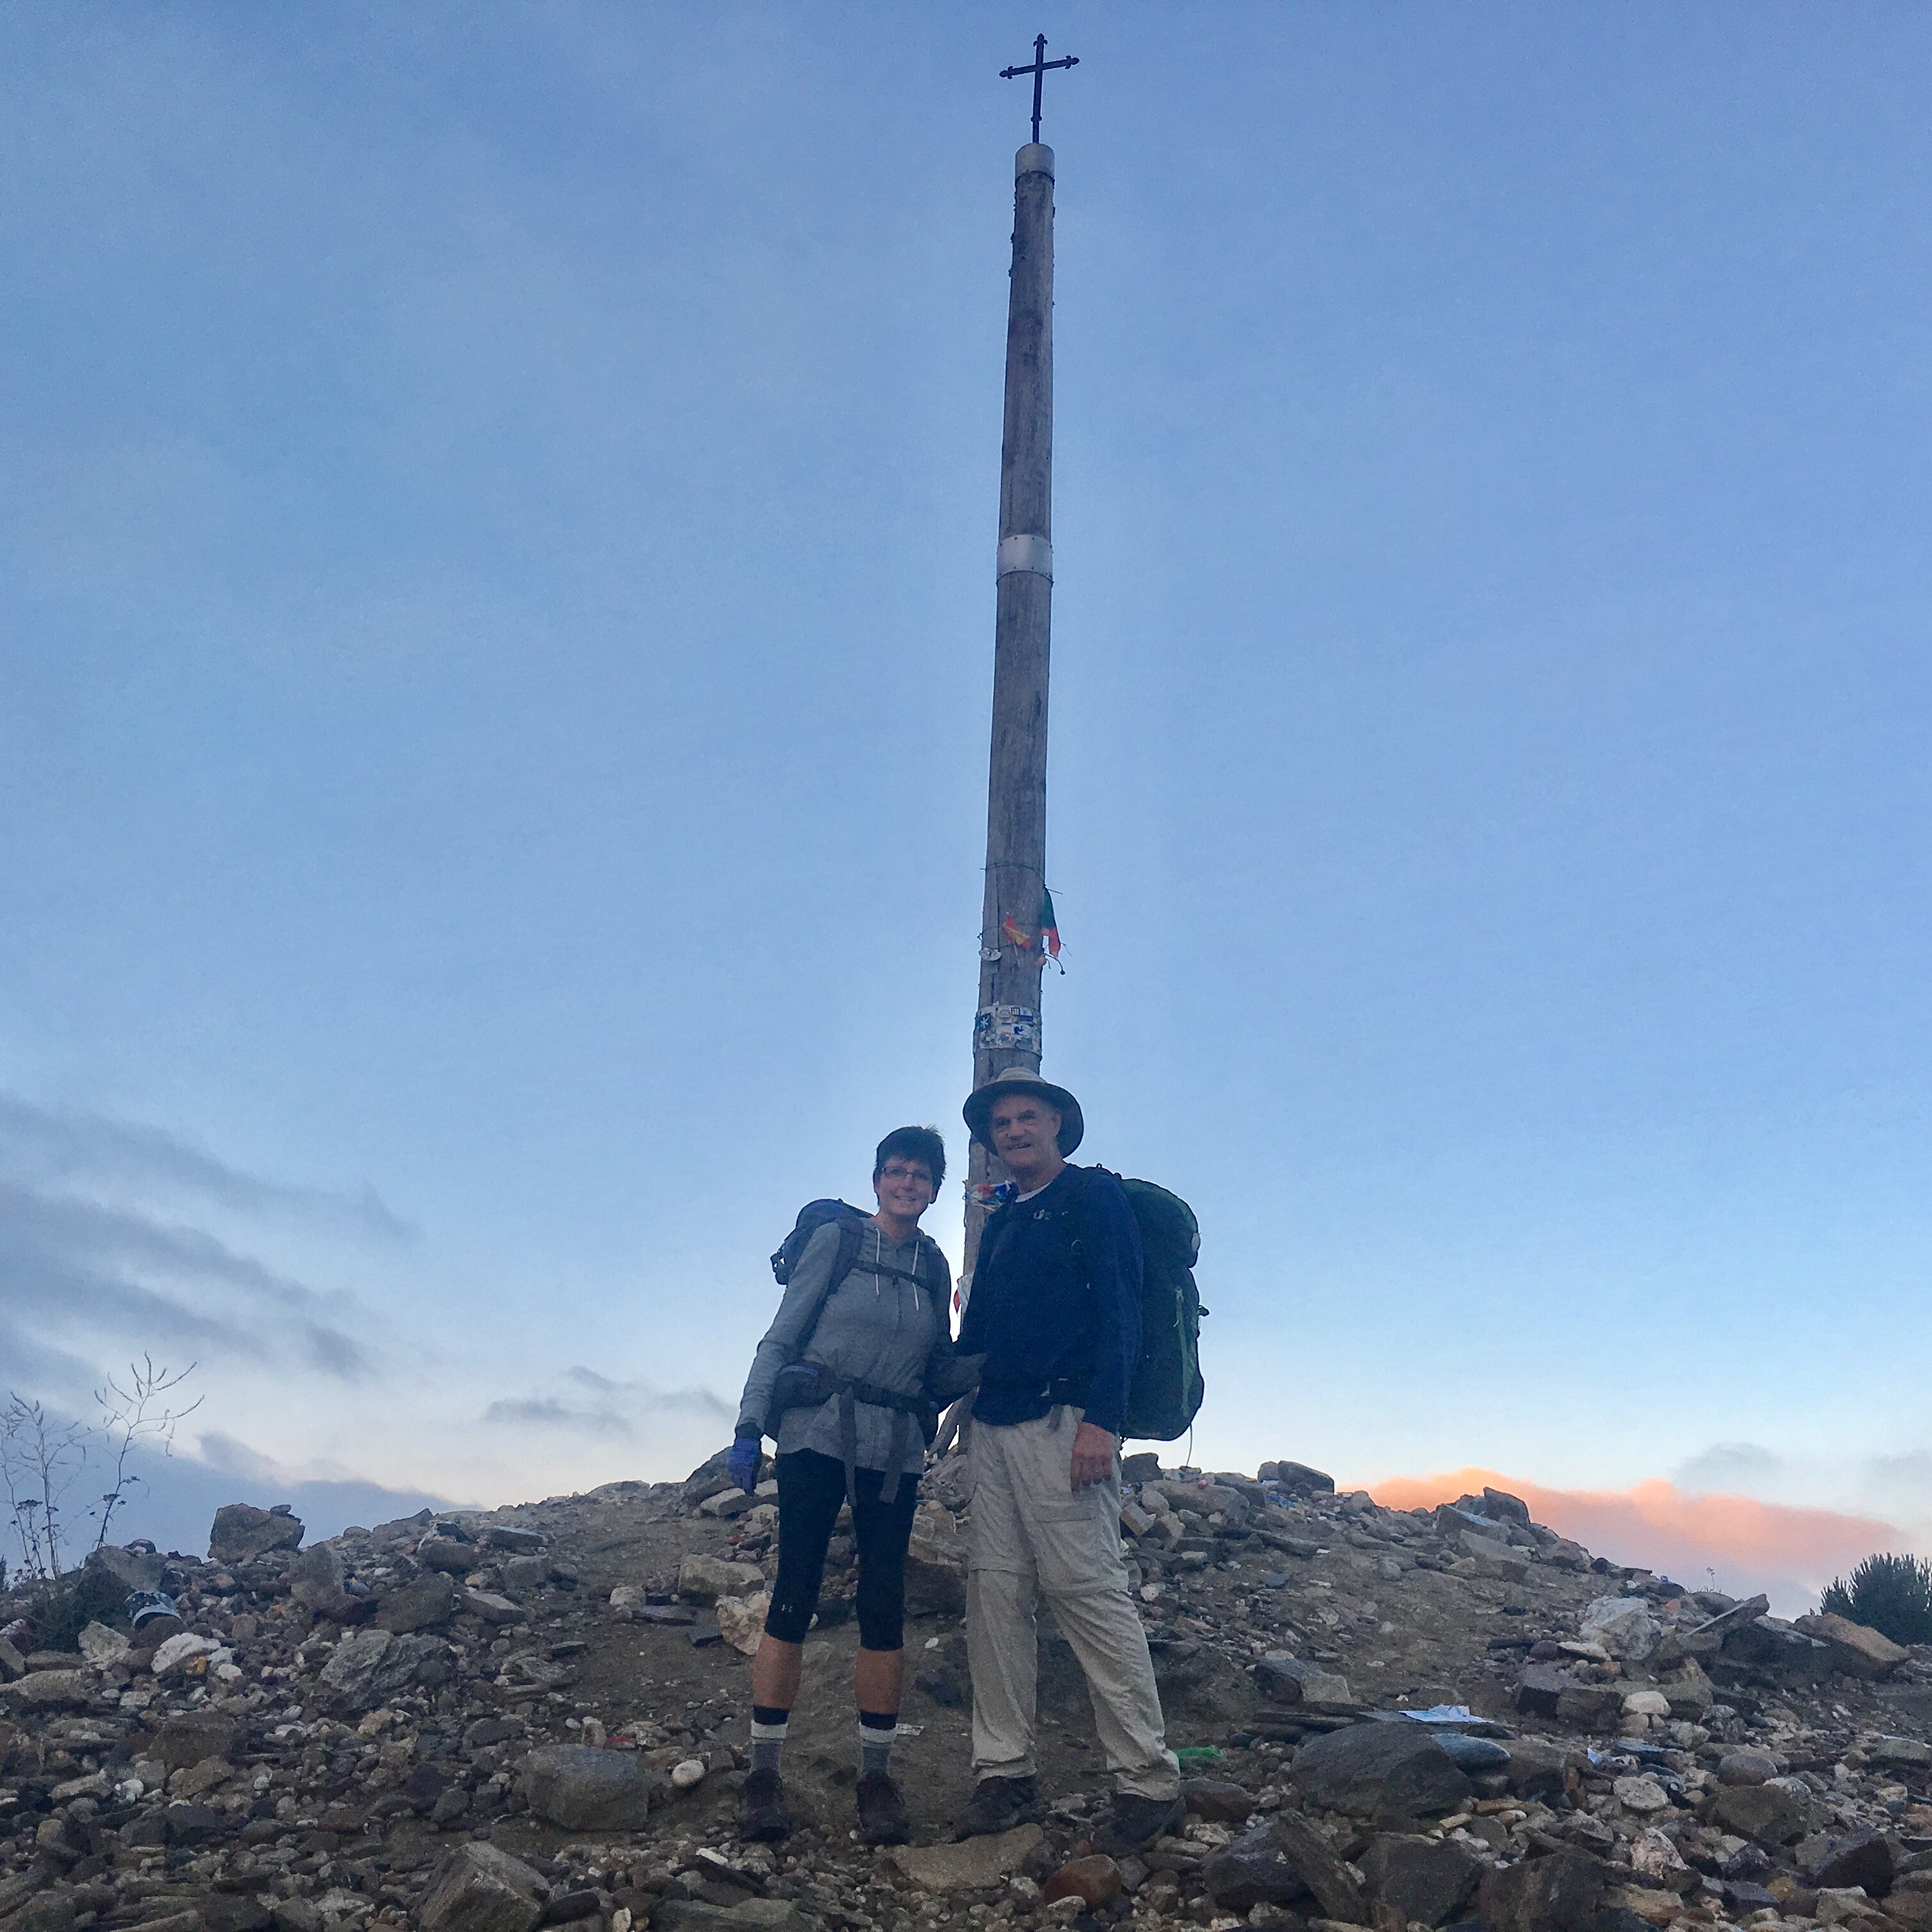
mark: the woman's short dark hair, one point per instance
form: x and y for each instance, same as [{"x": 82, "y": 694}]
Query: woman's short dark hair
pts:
[{"x": 912, "y": 1144}]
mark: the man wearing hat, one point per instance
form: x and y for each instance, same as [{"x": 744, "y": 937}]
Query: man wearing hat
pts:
[{"x": 1055, "y": 1310}]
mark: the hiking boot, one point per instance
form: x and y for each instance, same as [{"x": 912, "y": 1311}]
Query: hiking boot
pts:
[
  {"x": 883, "y": 1819},
  {"x": 999, "y": 1803},
  {"x": 762, "y": 1818},
  {"x": 1137, "y": 1821}
]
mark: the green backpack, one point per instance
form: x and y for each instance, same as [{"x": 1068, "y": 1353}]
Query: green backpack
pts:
[{"x": 1167, "y": 1389}]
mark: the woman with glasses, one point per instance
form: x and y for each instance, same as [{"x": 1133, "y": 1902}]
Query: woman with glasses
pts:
[{"x": 849, "y": 1379}]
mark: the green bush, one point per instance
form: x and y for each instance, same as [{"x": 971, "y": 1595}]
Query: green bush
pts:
[{"x": 1890, "y": 1595}]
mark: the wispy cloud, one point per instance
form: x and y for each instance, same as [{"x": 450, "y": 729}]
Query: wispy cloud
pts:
[
  {"x": 91, "y": 1264},
  {"x": 69, "y": 1148},
  {"x": 1788, "y": 1551},
  {"x": 593, "y": 1404},
  {"x": 1747, "y": 1467}
]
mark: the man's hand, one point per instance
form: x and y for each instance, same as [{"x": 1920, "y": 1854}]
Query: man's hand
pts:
[{"x": 1093, "y": 1449}]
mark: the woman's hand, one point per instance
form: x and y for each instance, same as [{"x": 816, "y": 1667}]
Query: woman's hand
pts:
[
  {"x": 741, "y": 1464},
  {"x": 1093, "y": 1449}
]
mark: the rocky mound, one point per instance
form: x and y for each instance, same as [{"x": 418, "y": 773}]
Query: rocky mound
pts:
[{"x": 536, "y": 1717}]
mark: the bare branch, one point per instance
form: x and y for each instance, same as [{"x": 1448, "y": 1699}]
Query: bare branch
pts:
[{"x": 138, "y": 1414}]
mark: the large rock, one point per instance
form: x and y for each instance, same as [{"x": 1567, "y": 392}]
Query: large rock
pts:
[
  {"x": 749, "y": 1914},
  {"x": 1690, "y": 1692},
  {"x": 51, "y": 1690},
  {"x": 1779, "y": 1649},
  {"x": 1591, "y": 1707},
  {"x": 1539, "y": 1767},
  {"x": 1856, "y": 1649},
  {"x": 483, "y": 1889},
  {"x": 229, "y": 1912},
  {"x": 1284, "y": 1859},
  {"x": 315, "y": 1582},
  {"x": 936, "y": 1563},
  {"x": 1767, "y": 1814},
  {"x": 1094, "y": 1880},
  {"x": 1290, "y": 1680},
  {"x": 490, "y": 1607},
  {"x": 585, "y": 1790},
  {"x": 523, "y": 1574},
  {"x": 1218, "y": 1800},
  {"x": 175, "y": 1655},
  {"x": 102, "y": 1647},
  {"x": 1899, "y": 1754},
  {"x": 1322, "y": 1871},
  {"x": 131, "y": 1570},
  {"x": 1539, "y": 1688},
  {"x": 193, "y": 1737},
  {"x": 1422, "y": 1881},
  {"x": 241, "y": 1533},
  {"x": 742, "y": 1620},
  {"x": 370, "y": 1666},
  {"x": 1255, "y": 1869},
  {"x": 1297, "y": 1479},
  {"x": 972, "y": 1866},
  {"x": 1721, "y": 1623},
  {"x": 512, "y": 1537},
  {"x": 1654, "y": 1857},
  {"x": 1561, "y": 1893},
  {"x": 427, "y": 1603},
  {"x": 1748, "y": 1766},
  {"x": 1624, "y": 1626},
  {"x": 703, "y": 1579},
  {"x": 448, "y": 1555},
  {"x": 1493, "y": 1559},
  {"x": 1389, "y": 1773},
  {"x": 1864, "y": 1858}
]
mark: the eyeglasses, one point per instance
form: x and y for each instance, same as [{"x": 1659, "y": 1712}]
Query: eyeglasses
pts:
[{"x": 897, "y": 1170}]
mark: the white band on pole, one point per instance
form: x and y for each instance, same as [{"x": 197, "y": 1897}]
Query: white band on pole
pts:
[
  {"x": 1026, "y": 552},
  {"x": 1035, "y": 157}
]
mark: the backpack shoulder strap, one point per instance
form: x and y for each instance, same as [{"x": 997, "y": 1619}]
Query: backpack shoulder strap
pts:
[{"x": 850, "y": 1233}]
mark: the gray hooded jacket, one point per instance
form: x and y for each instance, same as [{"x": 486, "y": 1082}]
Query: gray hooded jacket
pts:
[{"x": 874, "y": 1328}]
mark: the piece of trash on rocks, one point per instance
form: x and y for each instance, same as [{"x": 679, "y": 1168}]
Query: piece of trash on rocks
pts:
[
  {"x": 1189, "y": 1756},
  {"x": 145, "y": 1606}
]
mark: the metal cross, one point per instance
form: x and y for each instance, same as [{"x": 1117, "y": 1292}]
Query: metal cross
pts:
[{"x": 1041, "y": 67}]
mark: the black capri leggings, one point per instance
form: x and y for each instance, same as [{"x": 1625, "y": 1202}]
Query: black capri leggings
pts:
[{"x": 811, "y": 1488}]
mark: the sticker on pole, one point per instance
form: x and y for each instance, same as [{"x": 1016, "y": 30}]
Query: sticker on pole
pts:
[{"x": 1006, "y": 1029}]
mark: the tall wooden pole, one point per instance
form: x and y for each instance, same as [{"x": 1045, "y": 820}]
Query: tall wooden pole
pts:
[{"x": 1007, "y": 1028}]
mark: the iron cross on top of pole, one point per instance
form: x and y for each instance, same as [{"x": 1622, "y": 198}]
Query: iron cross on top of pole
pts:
[{"x": 1041, "y": 67}]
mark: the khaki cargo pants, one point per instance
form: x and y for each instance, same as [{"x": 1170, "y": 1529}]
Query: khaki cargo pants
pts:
[{"x": 1029, "y": 1533}]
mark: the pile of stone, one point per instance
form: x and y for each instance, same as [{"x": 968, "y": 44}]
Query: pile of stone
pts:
[{"x": 533, "y": 1717}]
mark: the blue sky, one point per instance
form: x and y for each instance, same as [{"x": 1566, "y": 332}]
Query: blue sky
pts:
[{"x": 496, "y": 610}]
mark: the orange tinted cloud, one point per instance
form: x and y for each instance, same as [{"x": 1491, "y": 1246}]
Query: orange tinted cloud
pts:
[{"x": 1788, "y": 1552}]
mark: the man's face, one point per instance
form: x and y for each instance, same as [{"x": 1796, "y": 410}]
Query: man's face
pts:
[
  {"x": 904, "y": 1187},
  {"x": 1025, "y": 1132}
]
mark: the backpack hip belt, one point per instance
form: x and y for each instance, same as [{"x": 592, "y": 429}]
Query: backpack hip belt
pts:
[{"x": 811, "y": 1385}]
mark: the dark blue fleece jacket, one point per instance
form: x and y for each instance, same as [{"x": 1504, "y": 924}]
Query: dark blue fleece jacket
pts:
[{"x": 1043, "y": 1313}]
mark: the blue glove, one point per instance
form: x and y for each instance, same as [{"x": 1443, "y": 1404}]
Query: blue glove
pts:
[{"x": 741, "y": 1464}]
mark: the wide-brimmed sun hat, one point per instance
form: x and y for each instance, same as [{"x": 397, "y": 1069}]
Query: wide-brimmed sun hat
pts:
[{"x": 1017, "y": 1080}]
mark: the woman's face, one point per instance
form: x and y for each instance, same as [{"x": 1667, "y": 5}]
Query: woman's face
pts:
[{"x": 904, "y": 1187}]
